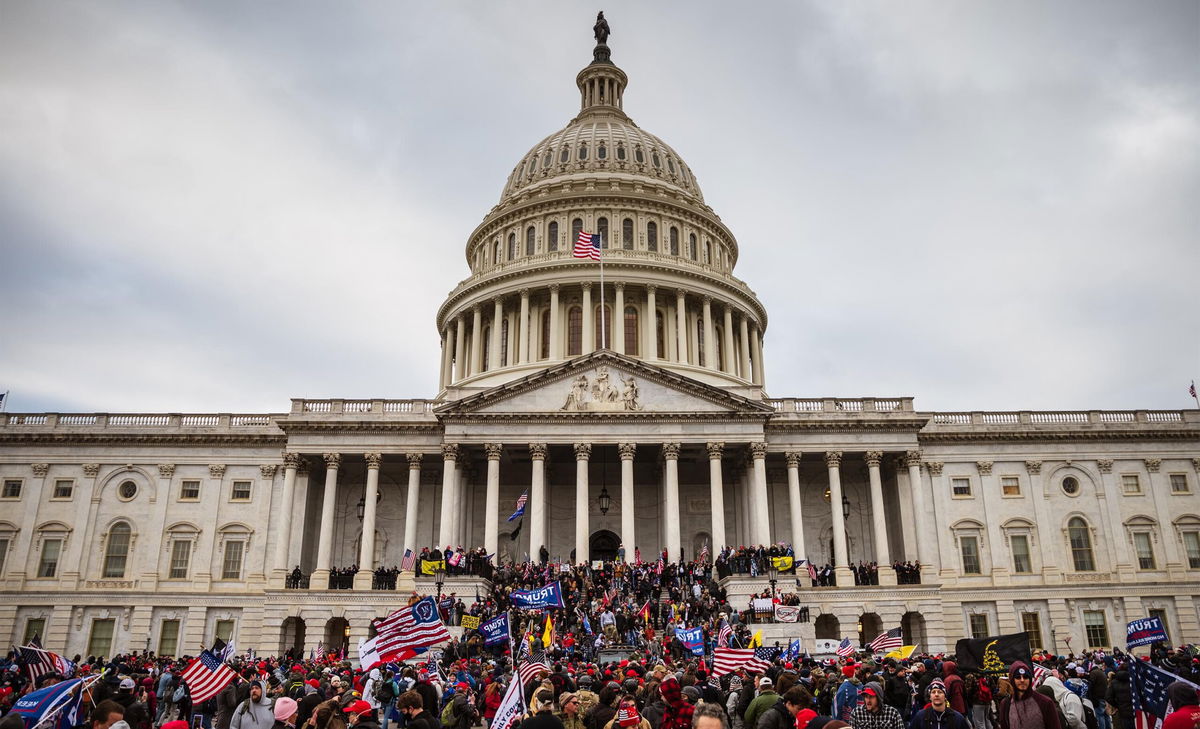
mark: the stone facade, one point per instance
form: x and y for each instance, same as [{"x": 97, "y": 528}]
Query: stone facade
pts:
[{"x": 161, "y": 531}]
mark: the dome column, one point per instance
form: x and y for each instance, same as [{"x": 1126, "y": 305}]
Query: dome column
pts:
[
  {"x": 681, "y": 326},
  {"x": 476, "y": 340},
  {"x": 618, "y": 319},
  {"x": 445, "y": 374},
  {"x": 710, "y": 338},
  {"x": 523, "y": 328},
  {"x": 627, "y": 451},
  {"x": 744, "y": 334},
  {"x": 670, "y": 452},
  {"x": 460, "y": 343},
  {"x": 494, "y": 362},
  {"x": 651, "y": 325},
  {"x": 727, "y": 344},
  {"x": 555, "y": 340},
  {"x": 756, "y": 344},
  {"x": 589, "y": 320}
]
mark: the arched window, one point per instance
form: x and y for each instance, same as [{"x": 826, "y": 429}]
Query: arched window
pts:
[
  {"x": 621, "y": 152},
  {"x": 496, "y": 252},
  {"x": 718, "y": 355},
  {"x": 549, "y": 158},
  {"x": 651, "y": 236},
  {"x": 601, "y": 151},
  {"x": 674, "y": 241},
  {"x": 530, "y": 241},
  {"x": 512, "y": 246},
  {"x": 671, "y": 165},
  {"x": 602, "y": 229},
  {"x": 583, "y": 151},
  {"x": 604, "y": 325},
  {"x": 116, "y": 551},
  {"x": 700, "y": 341},
  {"x": 552, "y": 236},
  {"x": 707, "y": 251},
  {"x": 692, "y": 246},
  {"x": 576, "y": 227},
  {"x": 487, "y": 347},
  {"x": 566, "y": 155},
  {"x": 638, "y": 156},
  {"x": 1080, "y": 536},
  {"x": 574, "y": 331},
  {"x": 631, "y": 331},
  {"x": 660, "y": 334},
  {"x": 654, "y": 158},
  {"x": 504, "y": 342},
  {"x": 532, "y": 164},
  {"x": 627, "y": 234},
  {"x": 546, "y": 334}
]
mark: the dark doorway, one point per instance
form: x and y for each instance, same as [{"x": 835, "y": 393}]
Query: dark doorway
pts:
[{"x": 603, "y": 545}]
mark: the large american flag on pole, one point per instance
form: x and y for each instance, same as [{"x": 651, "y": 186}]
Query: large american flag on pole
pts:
[
  {"x": 728, "y": 660},
  {"x": 534, "y": 665},
  {"x": 38, "y": 662},
  {"x": 587, "y": 245},
  {"x": 206, "y": 676},
  {"x": 724, "y": 634},
  {"x": 408, "y": 560},
  {"x": 409, "y": 628},
  {"x": 1148, "y": 688},
  {"x": 889, "y": 640}
]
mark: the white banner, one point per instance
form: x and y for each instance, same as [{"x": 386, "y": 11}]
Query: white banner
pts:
[
  {"x": 368, "y": 656},
  {"x": 512, "y": 707},
  {"x": 787, "y": 613},
  {"x": 763, "y": 605}
]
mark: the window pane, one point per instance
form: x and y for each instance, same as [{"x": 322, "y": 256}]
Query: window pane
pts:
[
  {"x": 34, "y": 627},
  {"x": 1179, "y": 484},
  {"x": 48, "y": 567},
  {"x": 100, "y": 641},
  {"x": 576, "y": 227},
  {"x": 241, "y": 491},
  {"x": 530, "y": 241},
  {"x": 1010, "y": 486},
  {"x": 225, "y": 630},
  {"x": 168, "y": 638},
  {"x": 627, "y": 234},
  {"x": 692, "y": 246},
  {"x": 117, "y": 551},
  {"x": 674, "y": 241},
  {"x": 12, "y": 488},
  {"x": 970, "y": 555},
  {"x": 1096, "y": 628},
  {"x": 631, "y": 331},
  {"x": 574, "y": 331},
  {"x": 960, "y": 486},
  {"x": 1020, "y": 552},
  {"x": 546, "y": 334},
  {"x": 651, "y": 236},
  {"x": 1031, "y": 623},
  {"x": 181, "y": 554},
  {"x": 1081, "y": 545},
  {"x": 504, "y": 342},
  {"x": 4, "y": 542},
  {"x": 1145, "y": 550},
  {"x": 1191, "y": 542},
  {"x": 63, "y": 488},
  {"x": 552, "y": 237},
  {"x": 602, "y": 229},
  {"x": 1130, "y": 483},
  {"x": 979, "y": 626},
  {"x": 231, "y": 566},
  {"x": 189, "y": 490}
]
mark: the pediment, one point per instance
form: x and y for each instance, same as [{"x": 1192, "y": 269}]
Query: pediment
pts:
[{"x": 609, "y": 384}]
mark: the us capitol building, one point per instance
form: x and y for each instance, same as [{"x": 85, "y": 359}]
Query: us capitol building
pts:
[{"x": 637, "y": 416}]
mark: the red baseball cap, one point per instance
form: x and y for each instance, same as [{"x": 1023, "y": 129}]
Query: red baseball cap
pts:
[{"x": 359, "y": 707}]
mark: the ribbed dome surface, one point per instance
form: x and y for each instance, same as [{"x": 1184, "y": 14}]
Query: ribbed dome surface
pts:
[{"x": 601, "y": 143}]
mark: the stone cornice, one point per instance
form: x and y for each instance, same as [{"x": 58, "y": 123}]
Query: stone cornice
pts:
[
  {"x": 107, "y": 438},
  {"x": 378, "y": 424},
  {"x": 841, "y": 424},
  {"x": 984, "y": 434}
]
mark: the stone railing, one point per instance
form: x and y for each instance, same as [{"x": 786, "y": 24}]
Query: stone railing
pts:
[
  {"x": 139, "y": 421},
  {"x": 1065, "y": 417},
  {"x": 610, "y": 255},
  {"x": 841, "y": 405},
  {"x": 339, "y": 406}
]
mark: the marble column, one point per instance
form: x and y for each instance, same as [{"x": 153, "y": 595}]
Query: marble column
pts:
[
  {"x": 617, "y": 335},
  {"x": 651, "y": 325},
  {"x": 1169, "y": 559},
  {"x": 995, "y": 553},
  {"x": 537, "y": 499},
  {"x": 745, "y": 371},
  {"x": 681, "y": 329},
  {"x": 366, "y": 552},
  {"x": 412, "y": 506},
  {"x": 762, "y": 511},
  {"x": 447, "y": 526},
  {"x": 491, "y": 511},
  {"x": 628, "y": 510},
  {"x": 320, "y": 576},
  {"x": 710, "y": 336},
  {"x": 793, "y": 474},
  {"x": 287, "y": 500},
  {"x": 670, "y": 453},
  {"x": 887, "y": 576},
  {"x": 460, "y": 344},
  {"x": 756, "y": 346},
  {"x": 446, "y": 374},
  {"x": 555, "y": 339},
  {"x": 716, "y": 488},
  {"x": 730, "y": 365},
  {"x": 841, "y": 564},
  {"x": 583, "y": 451},
  {"x": 1122, "y": 557},
  {"x": 494, "y": 346},
  {"x": 1052, "y": 559},
  {"x": 523, "y": 331},
  {"x": 926, "y": 548},
  {"x": 476, "y": 340},
  {"x": 589, "y": 320}
]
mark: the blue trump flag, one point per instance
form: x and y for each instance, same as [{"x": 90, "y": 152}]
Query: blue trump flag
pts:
[
  {"x": 549, "y": 596},
  {"x": 692, "y": 638},
  {"x": 495, "y": 631},
  {"x": 1144, "y": 632},
  {"x": 61, "y": 697}
]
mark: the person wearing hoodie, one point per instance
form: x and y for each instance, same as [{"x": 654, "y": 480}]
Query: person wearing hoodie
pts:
[
  {"x": 1025, "y": 708},
  {"x": 1068, "y": 701},
  {"x": 1120, "y": 695},
  {"x": 1187, "y": 706},
  {"x": 937, "y": 714},
  {"x": 955, "y": 690},
  {"x": 873, "y": 713},
  {"x": 256, "y": 711},
  {"x": 1097, "y": 688}
]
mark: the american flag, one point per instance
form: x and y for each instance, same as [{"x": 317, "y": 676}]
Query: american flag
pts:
[
  {"x": 533, "y": 666},
  {"x": 812, "y": 571},
  {"x": 409, "y": 559},
  {"x": 724, "y": 635},
  {"x": 587, "y": 245},
  {"x": 728, "y": 660},
  {"x": 703, "y": 556},
  {"x": 411, "y": 627},
  {"x": 1192, "y": 389},
  {"x": 845, "y": 648},
  {"x": 206, "y": 676},
  {"x": 1148, "y": 687},
  {"x": 889, "y": 640},
  {"x": 434, "y": 666},
  {"x": 519, "y": 509},
  {"x": 762, "y": 659},
  {"x": 659, "y": 566},
  {"x": 39, "y": 661},
  {"x": 1039, "y": 674}
]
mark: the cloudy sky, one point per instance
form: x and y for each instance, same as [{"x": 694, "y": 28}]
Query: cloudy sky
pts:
[{"x": 216, "y": 206}]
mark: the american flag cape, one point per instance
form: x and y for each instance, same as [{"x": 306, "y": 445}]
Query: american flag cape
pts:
[
  {"x": 889, "y": 640},
  {"x": 412, "y": 627},
  {"x": 206, "y": 676},
  {"x": 408, "y": 561},
  {"x": 1148, "y": 687},
  {"x": 845, "y": 648},
  {"x": 587, "y": 245}
]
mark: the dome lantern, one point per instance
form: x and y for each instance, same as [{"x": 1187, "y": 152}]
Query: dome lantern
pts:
[{"x": 601, "y": 84}]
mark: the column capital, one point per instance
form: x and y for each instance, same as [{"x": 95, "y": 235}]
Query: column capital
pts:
[
  {"x": 619, "y": 285},
  {"x": 302, "y": 469},
  {"x": 450, "y": 451},
  {"x": 40, "y": 469},
  {"x": 1105, "y": 465},
  {"x": 935, "y": 467},
  {"x": 91, "y": 469},
  {"x": 670, "y": 451},
  {"x": 716, "y": 449},
  {"x": 332, "y": 460},
  {"x": 793, "y": 458},
  {"x": 497, "y": 299},
  {"x": 374, "y": 460},
  {"x": 166, "y": 470},
  {"x": 651, "y": 288},
  {"x": 1152, "y": 464},
  {"x": 291, "y": 460},
  {"x": 586, "y": 285},
  {"x": 583, "y": 451},
  {"x": 493, "y": 450},
  {"x": 912, "y": 458},
  {"x": 537, "y": 451},
  {"x": 758, "y": 450},
  {"x": 476, "y": 309},
  {"x": 554, "y": 288},
  {"x": 833, "y": 459},
  {"x": 985, "y": 467},
  {"x": 414, "y": 460},
  {"x": 267, "y": 470},
  {"x": 524, "y": 292},
  {"x": 874, "y": 458},
  {"x": 1033, "y": 467},
  {"x": 627, "y": 450},
  {"x": 216, "y": 470},
  {"x": 706, "y": 300},
  {"x": 681, "y": 294}
]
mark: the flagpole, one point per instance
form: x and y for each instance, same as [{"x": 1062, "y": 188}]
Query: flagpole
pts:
[{"x": 603, "y": 328}]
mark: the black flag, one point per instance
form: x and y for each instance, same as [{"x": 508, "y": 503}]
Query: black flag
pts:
[
  {"x": 516, "y": 532},
  {"x": 993, "y": 654}
]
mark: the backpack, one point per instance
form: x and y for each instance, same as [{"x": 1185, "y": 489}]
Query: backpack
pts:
[
  {"x": 1089, "y": 715},
  {"x": 385, "y": 691},
  {"x": 447, "y": 718}
]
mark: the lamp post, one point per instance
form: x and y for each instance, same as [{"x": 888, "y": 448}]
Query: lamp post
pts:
[
  {"x": 773, "y": 574},
  {"x": 439, "y": 577},
  {"x": 605, "y": 500}
]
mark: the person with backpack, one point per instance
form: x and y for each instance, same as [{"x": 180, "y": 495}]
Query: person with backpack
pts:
[
  {"x": 1070, "y": 703},
  {"x": 979, "y": 700},
  {"x": 256, "y": 712}
]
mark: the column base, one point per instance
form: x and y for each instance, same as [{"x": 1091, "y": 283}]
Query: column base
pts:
[
  {"x": 406, "y": 584},
  {"x": 887, "y": 576},
  {"x": 845, "y": 578},
  {"x": 363, "y": 579},
  {"x": 318, "y": 580}
]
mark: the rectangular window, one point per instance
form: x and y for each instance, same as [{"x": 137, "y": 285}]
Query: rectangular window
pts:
[
  {"x": 34, "y": 628},
  {"x": 1096, "y": 628},
  {"x": 960, "y": 487},
  {"x": 225, "y": 629},
  {"x": 1191, "y": 542},
  {"x": 241, "y": 491},
  {"x": 1032, "y": 623},
  {"x": 181, "y": 555},
  {"x": 12, "y": 488},
  {"x": 63, "y": 488},
  {"x": 168, "y": 638},
  {"x": 100, "y": 641},
  {"x": 189, "y": 491},
  {"x": 1010, "y": 486},
  {"x": 1162, "y": 616},
  {"x": 979, "y": 625},
  {"x": 1179, "y": 483},
  {"x": 1130, "y": 483},
  {"x": 4, "y": 542},
  {"x": 1020, "y": 552},
  {"x": 231, "y": 565},
  {"x": 970, "y": 555},
  {"x": 48, "y": 566},
  {"x": 1145, "y": 550}
]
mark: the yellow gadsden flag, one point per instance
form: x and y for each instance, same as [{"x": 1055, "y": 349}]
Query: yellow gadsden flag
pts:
[
  {"x": 429, "y": 566},
  {"x": 548, "y": 633},
  {"x": 756, "y": 640},
  {"x": 783, "y": 564},
  {"x": 901, "y": 653}
]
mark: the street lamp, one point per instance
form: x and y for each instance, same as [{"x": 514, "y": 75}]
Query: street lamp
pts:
[
  {"x": 362, "y": 503},
  {"x": 845, "y": 507},
  {"x": 605, "y": 500},
  {"x": 439, "y": 577},
  {"x": 773, "y": 574},
  {"x": 861, "y": 639}
]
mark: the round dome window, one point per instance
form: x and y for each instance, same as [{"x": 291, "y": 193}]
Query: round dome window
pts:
[
  {"x": 127, "y": 490},
  {"x": 1070, "y": 485}
]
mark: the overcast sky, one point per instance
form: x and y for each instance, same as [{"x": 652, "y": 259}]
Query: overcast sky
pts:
[{"x": 216, "y": 206}]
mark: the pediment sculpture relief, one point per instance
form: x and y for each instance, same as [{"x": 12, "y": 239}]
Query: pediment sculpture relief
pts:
[{"x": 601, "y": 395}]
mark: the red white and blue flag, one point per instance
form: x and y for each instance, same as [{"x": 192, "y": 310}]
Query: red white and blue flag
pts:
[
  {"x": 587, "y": 245},
  {"x": 757, "y": 660},
  {"x": 845, "y": 648},
  {"x": 206, "y": 676},
  {"x": 1148, "y": 689},
  {"x": 888, "y": 640},
  {"x": 415, "y": 626},
  {"x": 408, "y": 561},
  {"x": 724, "y": 635},
  {"x": 38, "y": 662},
  {"x": 519, "y": 509}
]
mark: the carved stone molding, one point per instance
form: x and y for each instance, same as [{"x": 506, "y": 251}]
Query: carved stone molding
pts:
[
  {"x": 1196, "y": 464},
  {"x": 1152, "y": 464},
  {"x": 554, "y": 288},
  {"x": 1105, "y": 465},
  {"x": 374, "y": 460},
  {"x": 583, "y": 451},
  {"x": 166, "y": 470},
  {"x": 935, "y": 467},
  {"x": 912, "y": 458},
  {"x": 449, "y": 451},
  {"x": 414, "y": 460},
  {"x": 793, "y": 458},
  {"x": 619, "y": 285},
  {"x": 1033, "y": 467},
  {"x": 91, "y": 469},
  {"x": 40, "y": 469},
  {"x": 268, "y": 470},
  {"x": 303, "y": 467},
  {"x": 670, "y": 451},
  {"x": 985, "y": 467},
  {"x": 216, "y": 470},
  {"x": 332, "y": 460},
  {"x": 493, "y": 450},
  {"x": 524, "y": 293},
  {"x": 537, "y": 451},
  {"x": 586, "y": 285},
  {"x": 833, "y": 459},
  {"x": 874, "y": 458},
  {"x": 627, "y": 451},
  {"x": 716, "y": 450},
  {"x": 291, "y": 460},
  {"x": 758, "y": 450}
]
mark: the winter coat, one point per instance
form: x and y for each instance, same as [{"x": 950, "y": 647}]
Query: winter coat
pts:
[
  {"x": 679, "y": 712},
  {"x": 1044, "y": 704},
  {"x": 227, "y": 702},
  {"x": 762, "y": 702},
  {"x": 955, "y": 690},
  {"x": 254, "y": 714},
  {"x": 1068, "y": 701},
  {"x": 776, "y": 717},
  {"x": 1120, "y": 694}
]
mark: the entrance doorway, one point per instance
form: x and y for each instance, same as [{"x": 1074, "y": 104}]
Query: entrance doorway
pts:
[{"x": 603, "y": 545}]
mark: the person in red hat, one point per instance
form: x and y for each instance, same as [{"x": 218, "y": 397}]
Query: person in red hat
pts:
[{"x": 362, "y": 715}]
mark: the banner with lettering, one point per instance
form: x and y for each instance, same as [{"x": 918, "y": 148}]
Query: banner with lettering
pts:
[
  {"x": 470, "y": 622},
  {"x": 549, "y": 596},
  {"x": 787, "y": 613},
  {"x": 495, "y": 631},
  {"x": 692, "y": 638},
  {"x": 1144, "y": 632}
]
